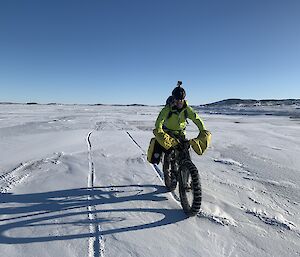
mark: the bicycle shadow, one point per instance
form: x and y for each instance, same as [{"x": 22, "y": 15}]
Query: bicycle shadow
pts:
[{"x": 44, "y": 209}]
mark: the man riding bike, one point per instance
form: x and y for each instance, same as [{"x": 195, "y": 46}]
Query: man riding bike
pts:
[
  {"x": 171, "y": 123},
  {"x": 178, "y": 168}
]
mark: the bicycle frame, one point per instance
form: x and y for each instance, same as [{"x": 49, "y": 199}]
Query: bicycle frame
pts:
[
  {"x": 177, "y": 157},
  {"x": 179, "y": 168}
]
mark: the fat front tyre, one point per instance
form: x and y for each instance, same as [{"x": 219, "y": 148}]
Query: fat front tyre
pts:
[{"x": 190, "y": 188}]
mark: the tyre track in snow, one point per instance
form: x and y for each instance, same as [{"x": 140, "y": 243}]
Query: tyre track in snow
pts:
[
  {"x": 155, "y": 168},
  {"x": 96, "y": 243}
]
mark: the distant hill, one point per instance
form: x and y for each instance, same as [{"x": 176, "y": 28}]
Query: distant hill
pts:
[
  {"x": 285, "y": 107},
  {"x": 252, "y": 102}
]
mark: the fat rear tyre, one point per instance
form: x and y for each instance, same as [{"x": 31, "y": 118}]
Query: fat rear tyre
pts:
[
  {"x": 190, "y": 188},
  {"x": 169, "y": 178}
]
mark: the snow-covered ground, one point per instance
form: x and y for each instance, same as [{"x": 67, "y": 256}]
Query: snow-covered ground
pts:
[{"x": 74, "y": 181}]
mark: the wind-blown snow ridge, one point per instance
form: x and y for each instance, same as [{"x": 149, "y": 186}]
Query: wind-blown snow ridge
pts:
[
  {"x": 228, "y": 162},
  {"x": 218, "y": 217},
  {"x": 274, "y": 220},
  {"x": 270, "y": 182},
  {"x": 96, "y": 243},
  {"x": 16, "y": 176}
]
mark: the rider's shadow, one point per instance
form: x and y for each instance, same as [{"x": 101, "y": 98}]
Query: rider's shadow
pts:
[{"x": 70, "y": 208}]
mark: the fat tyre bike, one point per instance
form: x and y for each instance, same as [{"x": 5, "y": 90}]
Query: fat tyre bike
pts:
[{"x": 179, "y": 169}]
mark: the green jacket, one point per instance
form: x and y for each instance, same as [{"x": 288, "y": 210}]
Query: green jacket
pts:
[{"x": 177, "y": 121}]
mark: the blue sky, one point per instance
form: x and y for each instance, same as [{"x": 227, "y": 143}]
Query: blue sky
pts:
[{"x": 133, "y": 51}]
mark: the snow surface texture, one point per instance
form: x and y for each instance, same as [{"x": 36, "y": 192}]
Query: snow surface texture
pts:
[{"x": 74, "y": 181}]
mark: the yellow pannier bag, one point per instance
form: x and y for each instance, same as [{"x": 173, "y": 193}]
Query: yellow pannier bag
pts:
[
  {"x": 164, "y": 139},
  {"x": 200, "y": 143},
  {"x": 155, "y": 151}
]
